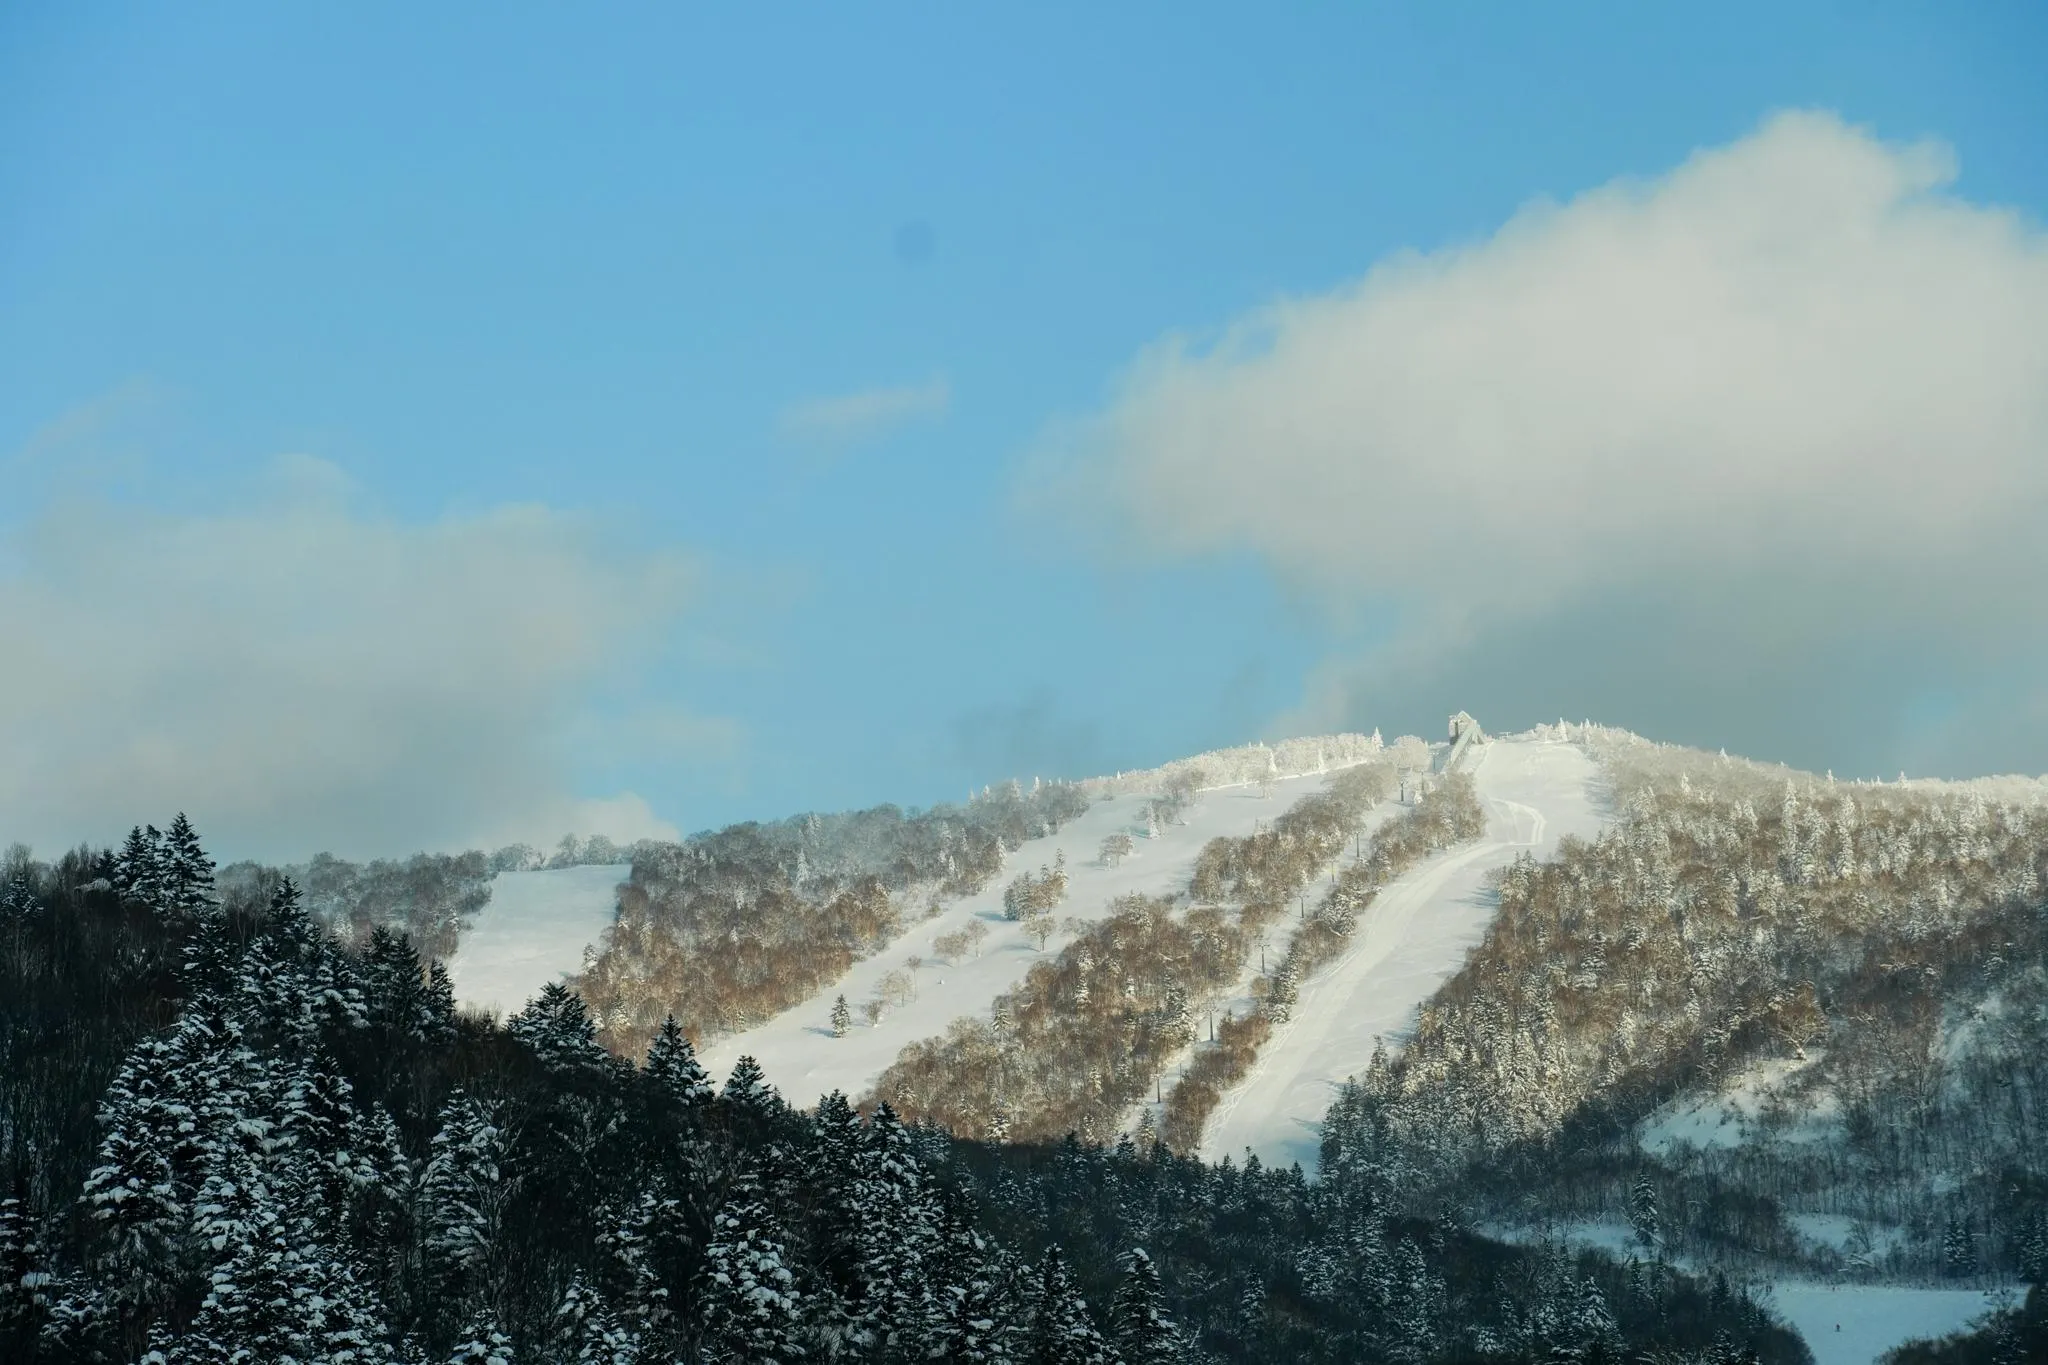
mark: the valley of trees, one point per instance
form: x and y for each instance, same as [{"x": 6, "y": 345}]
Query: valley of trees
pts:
[
  {"x": 229, "y": 1136},
  {"x": 730, "y": 928},
  {"x": 1882, "y": 949}
]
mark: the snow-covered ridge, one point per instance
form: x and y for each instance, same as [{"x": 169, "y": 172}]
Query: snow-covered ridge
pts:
[
  {"x": 1245, "y": 763},
  {"x": 538, "y": 922}
]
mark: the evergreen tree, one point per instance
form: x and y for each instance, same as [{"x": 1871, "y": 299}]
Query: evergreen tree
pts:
[
  {"x": 395, "y": 986},
  {"x": 842, "y": 1017},
  {"x": 631, "y": 1237},
  {"x": 672, "y": 1067},
  {"x": 899, "y": 1232},
  {"x": 186, "y": 872},
  {"x": 1958, "y": 1248},
  {"x": 1143, "y": 1333},
  {"x": 132, "y": 1195},
  {"x": 481, "y": 1343},
  {"x": 555, "y": 1025},
  {"x": 24, "y": 1278},
  {"x": 461, "y": 1191},
  {"x": 288, "y": 921},
  {"x": 752, "y": 1310},
  {"x": 978, "y": 1314},
  {"x": 211, "y": 957},
  {"x": 1061, "y": 1331},
  {"x": 139, "y": 867},
  {"x": 589, "y": 1332},
  {"x": 440, "y": 1005},
  {"x": 747, "y": 1091},
  {"x": 1642, "y": 1213}
]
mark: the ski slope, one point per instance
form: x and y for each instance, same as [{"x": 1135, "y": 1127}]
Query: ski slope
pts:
[
  {"x": 803, "y": 1060},
  {"x": 1857, "y": 1324},
  {"x": 533, "y": 932},
  {"x": 1415, "y": 934}
]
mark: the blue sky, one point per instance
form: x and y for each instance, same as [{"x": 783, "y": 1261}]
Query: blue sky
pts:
[{"x": 789, "y": 306}]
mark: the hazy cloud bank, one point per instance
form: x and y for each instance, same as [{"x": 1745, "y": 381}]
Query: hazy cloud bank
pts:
[
  {"x": 298, "y": 672},
  {"x": 1768, "y": 432}
]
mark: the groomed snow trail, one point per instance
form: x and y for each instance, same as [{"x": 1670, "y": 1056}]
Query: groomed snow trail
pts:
[
  {"x": 1415, "y": 934},
  {"x": 796, "y": 1048},
  {"x": 532, "y": 933}
]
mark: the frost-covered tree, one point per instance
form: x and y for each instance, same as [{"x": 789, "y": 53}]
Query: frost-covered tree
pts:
[
  {"x": 1139, "y": 1325},
  {"x": 900, "y": 1240},
  {"x": 752, "y": 1308},
  {"x": 462, "y": 1191},
  {"x": 138, "y": 1205}
]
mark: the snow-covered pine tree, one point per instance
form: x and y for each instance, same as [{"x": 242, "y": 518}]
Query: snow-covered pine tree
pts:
[
  {"x": 589, "y": 1333},
  {"x": 631, "y": 1236},
  {"x": 1143, "y": 1333},
  {"x": 186, "y": 872},
  {"x": 132, "y": 1194},
  {"x": 752, "y": 1310},
  {"x": 461, "y": 1189},
  {"x": 1642, "y": 1213},
  {"x": 842, "y": 1017},
  {"x": 978, "y": 1315},
  {"x": 138, "y": 868},
  {"x": 555, "y": 1025},
  {"x": 747, "y": 1092},
  {"x": 673, "y": 1068},
  {"x": 211, "y": 957},
  {"x": 481, "y": 1343},
  {"x": 900, "y": 1237},
  {"x": 24, "y": 1278},
  {"x": 837, "y": 1141},
  {"x": 1061, "y": 1331}
]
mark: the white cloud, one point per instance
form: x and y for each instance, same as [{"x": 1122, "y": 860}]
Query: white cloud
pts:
[
  {"x": 299, "y": 673},
  {"x": 843, "y": 419},
  {"x": 1794, "y": 380}
]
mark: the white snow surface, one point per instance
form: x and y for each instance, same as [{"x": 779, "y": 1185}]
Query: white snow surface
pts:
[
  {"x": 796, "y": 1049},
  {"x": 1415, "y": 934},
  {"x": 1873, "y": 1318},
  {"x": 1737, "y": 1112},
  {"x": 532, "y": 932}
]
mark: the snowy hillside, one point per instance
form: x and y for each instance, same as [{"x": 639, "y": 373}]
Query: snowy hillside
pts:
[
  {"x": 1857, "y": 1324},
  {"x": 533, "y": 932},
  {"x": 797, "y": 1048},
  {"x": 1414, "y": 936}
]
